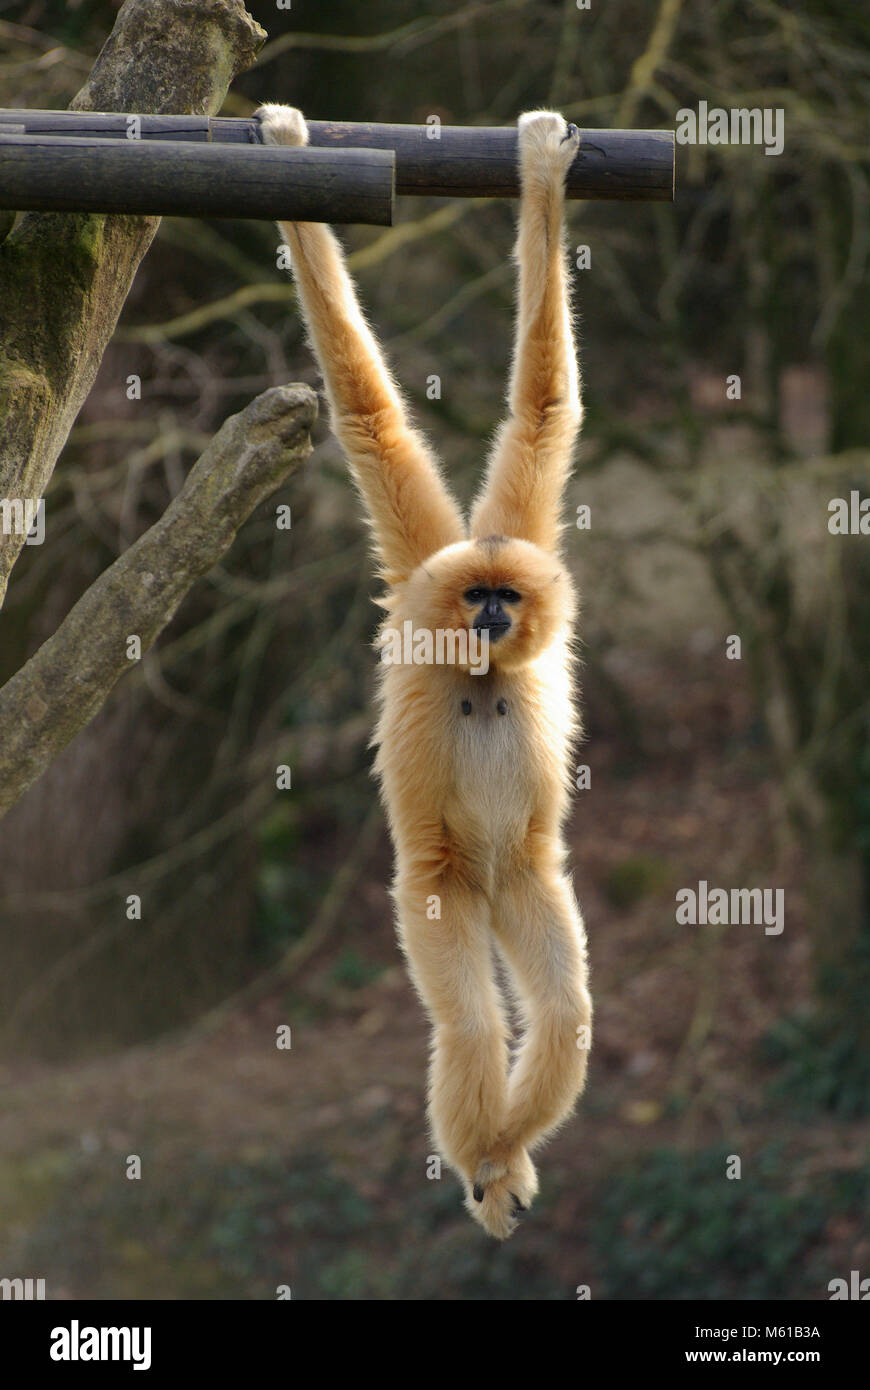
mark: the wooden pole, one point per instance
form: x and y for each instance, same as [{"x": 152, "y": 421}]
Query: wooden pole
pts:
[
  {"x": 434, "y": 161},
  {"x": 47, "y": 173}
]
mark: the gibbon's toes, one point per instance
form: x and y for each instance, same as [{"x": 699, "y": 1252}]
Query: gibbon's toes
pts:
[
  {"x": 281, "y": 125},
  {"x": 502, "y": 1162},
  {"x": 572, "y": 135},
  {"x": 501, "y": 1192},
  {"x": 499, "y": 1209}
]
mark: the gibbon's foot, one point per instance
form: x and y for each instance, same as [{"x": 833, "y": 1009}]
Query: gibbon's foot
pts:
[
  {"x": 501, "y": 1192},
  {"x": 281, "y": 125},
  {"x": 546, "y": 139}
]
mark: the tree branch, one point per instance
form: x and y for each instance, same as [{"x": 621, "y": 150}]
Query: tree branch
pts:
[{"x": 66, "y": 682}]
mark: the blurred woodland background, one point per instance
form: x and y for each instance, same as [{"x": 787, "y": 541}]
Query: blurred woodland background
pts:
[{"x": 709, "y": 517}]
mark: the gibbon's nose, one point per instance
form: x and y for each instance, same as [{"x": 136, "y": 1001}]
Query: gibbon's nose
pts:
[{"x": 492, "y": 619}]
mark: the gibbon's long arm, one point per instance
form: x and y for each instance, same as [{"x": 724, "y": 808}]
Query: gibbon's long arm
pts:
[
  {"x": 532, "y": 456},
  {"x": 411, "y": 510}
]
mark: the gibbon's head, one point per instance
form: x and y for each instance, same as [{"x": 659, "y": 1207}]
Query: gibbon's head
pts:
[{"x": 516, "y": 592}]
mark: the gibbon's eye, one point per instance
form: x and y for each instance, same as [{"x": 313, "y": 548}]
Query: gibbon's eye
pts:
[
  {"x": 475, "y": 595},
  {"x": 509, "y": 596}
]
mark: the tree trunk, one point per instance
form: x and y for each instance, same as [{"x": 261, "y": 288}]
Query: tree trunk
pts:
[{"x": 64, "y": 276}]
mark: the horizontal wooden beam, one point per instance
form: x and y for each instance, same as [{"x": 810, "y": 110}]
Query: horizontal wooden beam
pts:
[
  {"x": 435, "y": 161},
  {"x": 45, "y": 173}
]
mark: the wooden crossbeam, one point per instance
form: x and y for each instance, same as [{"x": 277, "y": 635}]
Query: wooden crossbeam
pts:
[{"x": 192, "y": 165}]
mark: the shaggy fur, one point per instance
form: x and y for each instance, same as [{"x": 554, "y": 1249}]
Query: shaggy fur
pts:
[{"x": 474, "y": 769}]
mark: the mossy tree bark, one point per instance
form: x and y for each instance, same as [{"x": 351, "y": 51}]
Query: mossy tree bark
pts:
[{"x": 64, "y": 277}]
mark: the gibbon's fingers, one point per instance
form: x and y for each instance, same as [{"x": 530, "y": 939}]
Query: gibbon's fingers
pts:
[
  {"x": 450, "y": 961},
  {"x": 540, "y": 930},
  {"x": 410, "y": 508},
  {"x": 532, "y": 455}
]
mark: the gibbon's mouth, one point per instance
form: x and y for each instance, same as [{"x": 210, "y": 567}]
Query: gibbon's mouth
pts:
[{"x": 495, "y": 630}]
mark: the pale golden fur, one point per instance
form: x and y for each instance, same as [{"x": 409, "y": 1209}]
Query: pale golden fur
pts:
[{"x": 476, "y": 802}]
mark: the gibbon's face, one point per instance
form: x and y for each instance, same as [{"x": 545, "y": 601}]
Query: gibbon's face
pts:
[{"x": 517, "y": 593}]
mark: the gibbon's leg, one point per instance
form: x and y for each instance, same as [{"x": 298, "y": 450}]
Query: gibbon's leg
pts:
[
  {"x": 532, "y": 456},
  {"x": 540, "y": 931},
  {"x": 411, "y": 510},
  {"x": 450, "y": 961}
]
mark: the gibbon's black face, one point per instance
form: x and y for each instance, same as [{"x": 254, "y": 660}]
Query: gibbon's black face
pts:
[{"x": 494, "y": 614}]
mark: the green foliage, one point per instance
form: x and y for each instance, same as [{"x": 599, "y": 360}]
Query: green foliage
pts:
[
  {"x": 825, "y": 1059},
  {"x": 244, "y": 1228},
  {"x": 863, "y": 804},
  {"x": 675, "y": 1227},
  {"x": 352, "y": 971},
  {"x": 633, "y": 879},
  {"x": 287, "y": 889},
  {"x": 670, "y": 1227},
  {"x": 278, "y": 833}
]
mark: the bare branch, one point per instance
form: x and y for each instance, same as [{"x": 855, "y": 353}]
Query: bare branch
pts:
[{"x": 62, "y": 687}]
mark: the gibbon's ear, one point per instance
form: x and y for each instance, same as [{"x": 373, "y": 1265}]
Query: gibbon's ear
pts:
[{"x": 532, "y": 457}]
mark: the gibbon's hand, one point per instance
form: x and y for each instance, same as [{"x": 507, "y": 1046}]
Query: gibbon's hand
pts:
[{"x": 281, "y": 125}]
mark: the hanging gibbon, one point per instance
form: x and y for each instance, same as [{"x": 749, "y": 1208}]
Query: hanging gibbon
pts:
[{"x": 473, "y": 765}]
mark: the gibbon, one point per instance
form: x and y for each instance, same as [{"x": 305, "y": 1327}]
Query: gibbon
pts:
[{"x": 474, "y": 768}]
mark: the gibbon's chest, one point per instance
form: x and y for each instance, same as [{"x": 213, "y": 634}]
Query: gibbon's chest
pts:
[
  {"x": 484, "y": 753},
  {"x": 495, "y": 770}
]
